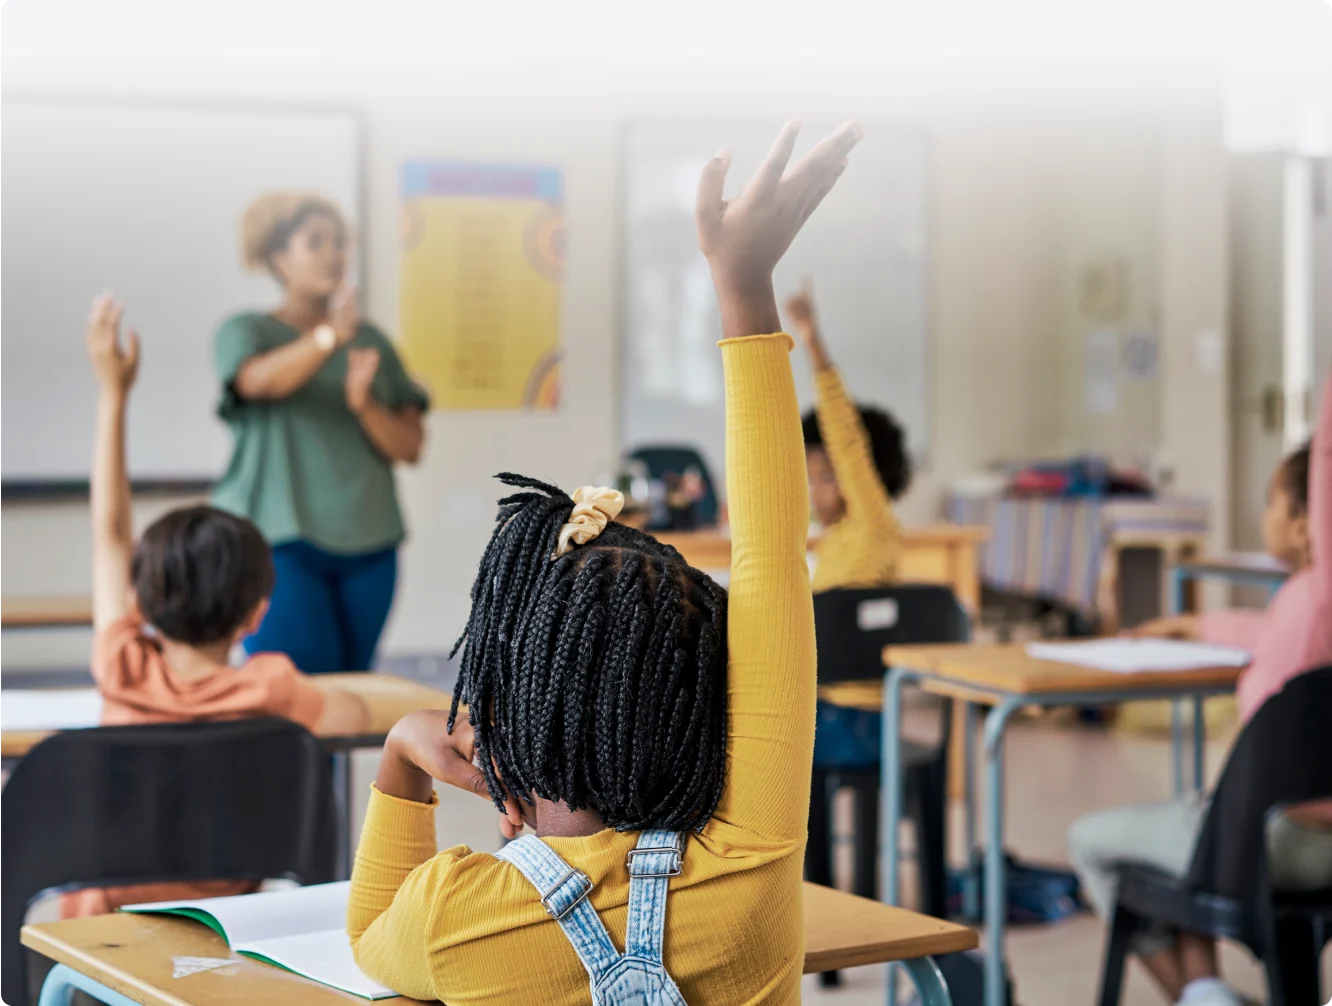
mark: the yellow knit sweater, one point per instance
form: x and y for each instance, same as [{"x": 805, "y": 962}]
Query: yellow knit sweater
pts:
[
  {"x": 864, "y": 547},
  {"x": 467, "y": 928}
]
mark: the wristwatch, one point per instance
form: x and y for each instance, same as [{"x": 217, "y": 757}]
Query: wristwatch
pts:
[{"x": 325, "y": 337}]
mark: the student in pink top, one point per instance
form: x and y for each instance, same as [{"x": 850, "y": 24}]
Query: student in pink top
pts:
[
  {"x": 167, "y": 611},
  {"x": 1291, "y": 636}
]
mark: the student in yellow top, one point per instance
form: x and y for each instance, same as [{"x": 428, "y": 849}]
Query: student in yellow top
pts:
[
  {"x": 626, "y": 696},
  {"x": 857, "y": 463}
]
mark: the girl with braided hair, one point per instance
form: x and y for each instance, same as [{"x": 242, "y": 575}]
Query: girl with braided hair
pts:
[{"x": 655, "y": 733}]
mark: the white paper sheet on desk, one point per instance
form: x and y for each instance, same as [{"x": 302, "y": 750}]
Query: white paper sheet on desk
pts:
[
  {"x": 1134, "y": 656},
  {"x": 50, "y": 708}
]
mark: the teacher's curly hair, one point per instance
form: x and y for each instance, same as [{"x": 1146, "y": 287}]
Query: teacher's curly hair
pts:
[
  {"x": 269, "y": 222},
  {"x": 595, "y": 673}
]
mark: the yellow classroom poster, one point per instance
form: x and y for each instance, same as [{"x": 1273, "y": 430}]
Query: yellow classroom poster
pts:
[{"x": 482, "y": 260}]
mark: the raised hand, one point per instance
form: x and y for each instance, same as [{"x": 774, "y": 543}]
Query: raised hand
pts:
[
  {"x": 344, "y": 314},
  {"x": 115, "y": 366},
  {"x": 362, "y": 365},
  {"x": 744, "y": 238}
]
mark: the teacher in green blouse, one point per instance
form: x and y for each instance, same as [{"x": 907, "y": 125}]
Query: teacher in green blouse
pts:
[{"x": 321, "y": 409}]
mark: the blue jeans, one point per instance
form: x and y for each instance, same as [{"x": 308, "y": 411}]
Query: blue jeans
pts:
[
  {"x": 327, "y": 611},
  {"x": 845, "y": 737}
]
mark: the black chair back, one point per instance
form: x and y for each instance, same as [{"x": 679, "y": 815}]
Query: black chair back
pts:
[
  {"x": 1283, "y": 756},
  {"x": 243, "y": 800},
  {"x": 853, "y": 626}
]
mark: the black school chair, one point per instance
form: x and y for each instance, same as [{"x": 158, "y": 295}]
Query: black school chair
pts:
[
  {"x": 1282, "y": 757},
  {"x": 243, "y": 800},
  {"x": 852, "y": 627}
]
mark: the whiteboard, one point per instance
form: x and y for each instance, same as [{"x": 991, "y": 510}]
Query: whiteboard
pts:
[
  {"x": 864, "y": 248},
  {"x": 146, "y": 201}
]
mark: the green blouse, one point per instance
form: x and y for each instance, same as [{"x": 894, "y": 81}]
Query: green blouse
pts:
[{"x": 302, "y": 467}]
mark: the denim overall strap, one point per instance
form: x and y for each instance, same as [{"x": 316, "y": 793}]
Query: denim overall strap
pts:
[
  {"x": 563, "y": 892},
  {"x": 658, "y": 856}
]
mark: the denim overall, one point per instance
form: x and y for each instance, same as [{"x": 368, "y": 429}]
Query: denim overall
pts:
[{"x": 637, "y": 977}]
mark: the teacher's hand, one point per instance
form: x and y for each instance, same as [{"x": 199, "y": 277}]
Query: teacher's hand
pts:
[
  {"x": 344, "y": 314},
  {"x": 362, "y": 365}
]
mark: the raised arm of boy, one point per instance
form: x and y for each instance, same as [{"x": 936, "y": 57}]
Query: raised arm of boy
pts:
[{"x": 115, "y": 367}]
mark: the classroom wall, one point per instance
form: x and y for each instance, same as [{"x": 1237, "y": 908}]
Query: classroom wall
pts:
[{"x": 996, "y": 246}]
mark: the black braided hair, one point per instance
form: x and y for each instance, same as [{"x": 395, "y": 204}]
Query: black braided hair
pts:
[{"x": 597, "y": 679}]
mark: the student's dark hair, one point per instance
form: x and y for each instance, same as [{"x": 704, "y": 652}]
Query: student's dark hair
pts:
[
  {"x": 198, "y": 573},
  {"x": 1295, "y": 479},
  {"x": 596, "y": 679},
  {"x": 887, "y": 444}
]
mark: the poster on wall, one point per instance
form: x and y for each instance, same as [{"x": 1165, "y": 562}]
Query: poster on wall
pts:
[{"x": 482, "y": 263}]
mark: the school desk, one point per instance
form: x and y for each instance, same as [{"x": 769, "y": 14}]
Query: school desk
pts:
[
  {"x": 124, "y": 958},
  {"x": 1006, "y": 679},
  {"x": 387, "y": 698},
  {"x": 46, "y": 611},
  {"x": 940, "y": 553}
]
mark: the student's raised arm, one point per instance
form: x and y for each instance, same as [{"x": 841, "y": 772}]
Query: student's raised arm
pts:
[
  {"x": 115, "y": 367},
  {"x": 770, "y": 614},
  {"x": 843, "y": 432}
]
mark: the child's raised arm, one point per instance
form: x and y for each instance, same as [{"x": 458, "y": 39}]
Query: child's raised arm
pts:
[
  {"x": 769, "y": 613},
  {"x": 115, "y": 367}
]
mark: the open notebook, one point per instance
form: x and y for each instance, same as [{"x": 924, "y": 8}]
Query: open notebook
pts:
[
  {"x": 303, "y": 930},
  {"x": 1136, "y": 656}
]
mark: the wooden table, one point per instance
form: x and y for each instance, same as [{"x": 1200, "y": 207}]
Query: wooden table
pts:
[
  {"x": 387, "y": 698},
  {"x": 939, "y": 553},
  {"x": 46, "y": 611},
  {"x": 1005, "y": 678},
  {"x": 131, "y": 954}
]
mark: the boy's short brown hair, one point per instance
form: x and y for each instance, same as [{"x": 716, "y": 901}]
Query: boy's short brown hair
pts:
[{"x": 199, "y": 572}]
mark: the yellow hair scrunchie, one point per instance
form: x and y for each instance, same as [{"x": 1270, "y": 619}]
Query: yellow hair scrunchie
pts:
[{"x": 594, "y": 508}]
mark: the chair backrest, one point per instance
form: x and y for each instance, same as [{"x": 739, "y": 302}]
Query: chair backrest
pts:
[
  {"x": 853, "y": 626},
  {"x": 1283, "y": 755},
  {"x": 662, "y": 459},
  {"x": 242, "y": 800}
]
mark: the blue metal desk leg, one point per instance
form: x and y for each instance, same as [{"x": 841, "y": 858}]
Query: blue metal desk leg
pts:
[
  {"x": 996, "y": 885},
  {"x": 1178, "y": 577},
  {"x": 342, "y": 801},
  {"x": 61, "y": 981},
  {"x": 929, "y": 982},
  {"x": 971, "y": 882},
  {"x": 1199, "y": 743},
  {"x": 890, "y": 804}
]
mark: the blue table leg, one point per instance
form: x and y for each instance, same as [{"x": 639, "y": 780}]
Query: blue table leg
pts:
[
  {"x": 61, "y": 982},
  {"x": 1177, "y": 746},
  {"x": 929, "y": 982},
  {"x": 342, "y": 804},
  {"x": 890, "y": 803},
  {"x": 971, "y": 882},
  {"x": 996, "y": 886},
  {"x": 1199, "y": 743},
  {"x": 1178, "y": 577}
]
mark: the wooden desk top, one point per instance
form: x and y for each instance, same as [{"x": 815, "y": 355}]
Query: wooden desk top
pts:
[
  {"x": 132, "y": 953},
  {"x": 388, "y": 699},
  {"x": 1006, "y": 667},
  {"x": 46, "y": 611}
]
